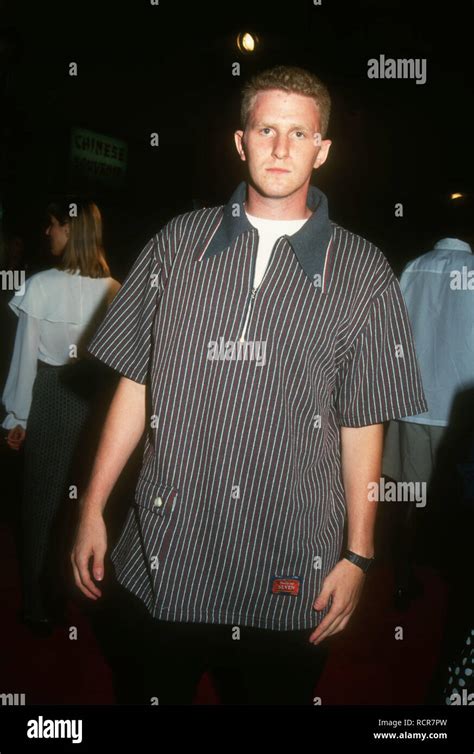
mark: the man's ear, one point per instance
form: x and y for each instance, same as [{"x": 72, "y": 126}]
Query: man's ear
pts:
[
  {"x": 239, "y": 144},
  {"x": 322, "y": 153}
]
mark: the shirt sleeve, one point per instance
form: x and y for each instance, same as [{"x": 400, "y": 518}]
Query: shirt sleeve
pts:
[
  {"x": 18, "y": 389},
  {"x": 380, "y": 378},
  {"x": 123, "y": 340}
]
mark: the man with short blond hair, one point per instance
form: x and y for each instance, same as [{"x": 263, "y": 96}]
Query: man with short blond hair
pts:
[{"x": 251, "y": 466}]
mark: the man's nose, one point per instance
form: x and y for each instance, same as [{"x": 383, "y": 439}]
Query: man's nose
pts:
[{"x": 280, "y": 147}]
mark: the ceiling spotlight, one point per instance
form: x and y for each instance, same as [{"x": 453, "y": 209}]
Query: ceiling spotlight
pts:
[
  {"x": 247, "y": 42},
  {"x": 456, "y": 196}
]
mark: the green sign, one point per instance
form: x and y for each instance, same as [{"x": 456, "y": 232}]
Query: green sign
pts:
[{"x": 97, "y": 156}]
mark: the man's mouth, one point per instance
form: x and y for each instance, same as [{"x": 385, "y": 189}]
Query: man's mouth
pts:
[{"x": 277, "y": 170}]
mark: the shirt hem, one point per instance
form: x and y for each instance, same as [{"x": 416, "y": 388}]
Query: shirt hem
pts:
[
  {"x": 117, "y": 367},
  {"x": 357, "y": 421},
  {"x": 232, "y": 619}
]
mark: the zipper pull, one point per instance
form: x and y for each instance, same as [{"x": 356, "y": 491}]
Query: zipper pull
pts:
[{"x": 252, "y": 296}]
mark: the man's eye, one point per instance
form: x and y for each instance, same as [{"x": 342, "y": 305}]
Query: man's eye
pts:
[
  {"x": 300, "y": 133},
  {"x": 265, "y": 129}
]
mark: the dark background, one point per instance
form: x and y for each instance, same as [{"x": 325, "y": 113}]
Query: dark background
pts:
[{"x": 168, "y": 68}]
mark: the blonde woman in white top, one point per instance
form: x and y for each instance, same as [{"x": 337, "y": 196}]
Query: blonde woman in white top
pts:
[{"x": 51, "y": 385}]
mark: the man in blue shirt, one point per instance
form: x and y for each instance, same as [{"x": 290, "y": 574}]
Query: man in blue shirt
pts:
[{"x": 438, "y": 289}]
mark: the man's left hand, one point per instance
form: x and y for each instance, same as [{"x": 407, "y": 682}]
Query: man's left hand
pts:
[{"x": 344, "y": 583}]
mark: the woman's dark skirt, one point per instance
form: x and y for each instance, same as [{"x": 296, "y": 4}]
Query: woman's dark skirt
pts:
[{"x": 59, "y": 445}]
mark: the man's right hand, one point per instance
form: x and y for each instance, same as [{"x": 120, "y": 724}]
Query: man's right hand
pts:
[{"x": 90, "y": 541}]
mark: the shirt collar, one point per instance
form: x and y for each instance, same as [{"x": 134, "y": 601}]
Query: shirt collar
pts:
[
  {"x": 310, "y": 243},
  {"x": 452, "y": 243}
]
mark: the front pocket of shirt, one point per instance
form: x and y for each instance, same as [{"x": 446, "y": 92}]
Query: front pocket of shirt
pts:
[{"x": 155, "y": 505}]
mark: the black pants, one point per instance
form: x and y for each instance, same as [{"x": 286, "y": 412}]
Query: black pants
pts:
[{"x": 164, "y": 661}]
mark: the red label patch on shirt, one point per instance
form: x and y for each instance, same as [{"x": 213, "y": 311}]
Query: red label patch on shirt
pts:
[{"x": 286, "y": 585}]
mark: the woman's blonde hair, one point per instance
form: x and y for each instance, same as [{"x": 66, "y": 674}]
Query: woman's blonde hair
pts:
[
  {"x": 289, "y": 79},
  {"x": 84, "y": 250}
]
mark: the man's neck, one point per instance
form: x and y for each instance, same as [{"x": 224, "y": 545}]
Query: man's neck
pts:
[{"x": 291, "y": 207}]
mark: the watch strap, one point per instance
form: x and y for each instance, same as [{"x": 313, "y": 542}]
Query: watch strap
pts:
[{"x": 358, "y": 560}]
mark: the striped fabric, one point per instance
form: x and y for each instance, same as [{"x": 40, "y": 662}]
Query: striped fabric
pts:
[{"x": 241, "y": 477}]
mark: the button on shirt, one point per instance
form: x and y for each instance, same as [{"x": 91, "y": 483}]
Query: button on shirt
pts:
[
  {"x": 56, "y": 310},
  {"x": 244, "y": 452},
  {"x": 438, "y": 288}
]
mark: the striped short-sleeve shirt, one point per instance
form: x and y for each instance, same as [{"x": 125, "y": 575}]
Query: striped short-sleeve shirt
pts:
[{"x": 239, "y": 509}]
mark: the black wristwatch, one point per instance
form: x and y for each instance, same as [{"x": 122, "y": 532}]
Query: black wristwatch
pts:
[{"x": 358, "y": 560}]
